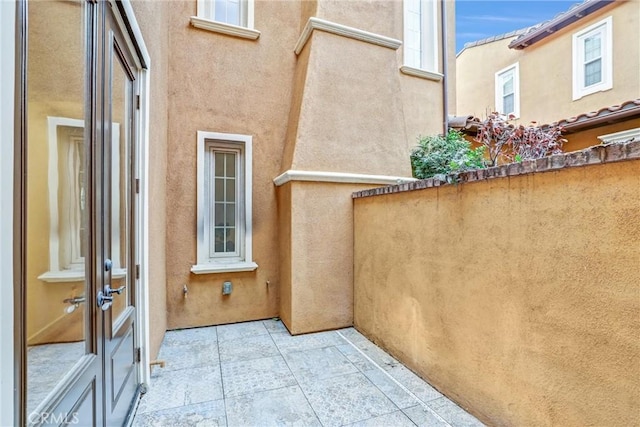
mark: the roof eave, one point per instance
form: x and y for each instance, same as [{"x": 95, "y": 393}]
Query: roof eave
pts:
[{"x": 559, "y": 23}]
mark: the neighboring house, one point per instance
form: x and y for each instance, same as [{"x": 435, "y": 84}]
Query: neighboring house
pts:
[
  {"x": 189, "y": 163},
  {"x": 584, "y": 61}
]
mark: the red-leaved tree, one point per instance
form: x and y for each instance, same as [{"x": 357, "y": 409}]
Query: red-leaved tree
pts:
[{"x": 509, "y": 142}]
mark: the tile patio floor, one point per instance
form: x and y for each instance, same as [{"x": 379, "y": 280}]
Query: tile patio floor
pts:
[{"x": 257, "y": 374}]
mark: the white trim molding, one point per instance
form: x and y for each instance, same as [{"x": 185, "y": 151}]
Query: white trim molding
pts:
[
  {"x": 423, "y": 74},
  {"x": 338, "y": 177},
  {"x": 224, "y": 28},
  {"x": 342, "y": 30},
  {"x": 7, "y": 98},
  {"x": 622, "y": 136},
  {"x": 223, "y": 268},
  {"x": 217, "y": 262}
]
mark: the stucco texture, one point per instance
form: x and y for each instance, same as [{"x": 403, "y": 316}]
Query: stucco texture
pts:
[
  {"x": 518, "y": 297},
  {"x": 546, "y": 91},
  {"x": 224, "y": 84},
  {"x": 316, "y": 255}
]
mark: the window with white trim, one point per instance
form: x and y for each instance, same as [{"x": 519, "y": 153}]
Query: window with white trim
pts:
[
  {"x": 592, "y": 59},
  {"x": 420, "y": 34},
  {"x": 232, "y": 12},
  {"x": 224, "y": 203},
  {"x": 507, "y": 83},
  {"x": 231, "y": 17}
]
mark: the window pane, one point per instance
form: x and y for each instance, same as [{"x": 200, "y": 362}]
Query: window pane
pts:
[
  {"x": 233, "y": 12},
  {"x": 228, "y": 11},
  {"x": 231, "y": 165},
  {"x": 507, "y": 84},
  {"x": 230, "y": 212},
  {"x": 219, "y": 190},
  {"x": 231, "y": 190},
  {"x": 593, "y": 72},
  {"x": 231, "y": 240},
  {"x": 219, "y": 214},
  {"x": 219, "y": 164},
  {"x": 507, "y": 104},
  {"x": 219, "y": 239},
  {"x": 592, "y": 48}
]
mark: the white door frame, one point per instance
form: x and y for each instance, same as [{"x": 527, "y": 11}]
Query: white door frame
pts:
[
  {"x": 7, "y": 87},
  {"x": 142, "y": 216}
]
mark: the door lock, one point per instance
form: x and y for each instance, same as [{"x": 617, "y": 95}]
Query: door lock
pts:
[{"x": 105, "y": 299}]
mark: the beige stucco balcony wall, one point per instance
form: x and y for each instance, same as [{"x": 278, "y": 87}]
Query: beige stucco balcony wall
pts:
[
  {"x": 546, "y": 82},
  {"x": 518, "y": 297}
]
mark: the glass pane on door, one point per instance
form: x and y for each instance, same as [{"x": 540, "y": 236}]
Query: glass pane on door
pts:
[
  {"x": 57, "y": 203},
  {"x": 121, "y": 188}
]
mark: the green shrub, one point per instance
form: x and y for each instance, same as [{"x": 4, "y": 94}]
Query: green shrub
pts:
[{"x": 441, "y": 155}]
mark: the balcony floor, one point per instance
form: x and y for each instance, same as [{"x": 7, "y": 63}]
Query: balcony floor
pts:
[{"x": 257, "y": 374}]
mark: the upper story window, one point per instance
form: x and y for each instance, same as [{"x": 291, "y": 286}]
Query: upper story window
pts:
[
  {"x": 224, "y": 203},
  {"x": 230, "y": 17},
  {"x": 592, "y": 59},
  {"x": 420, "y": 34},
  {"x": 508, "y": 90},
  {"x": 232, "y": 12}
]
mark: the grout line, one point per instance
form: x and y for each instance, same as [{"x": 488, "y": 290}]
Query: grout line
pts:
[
  {"x": 294, "y": 375},
  {"x": 421, "y": 402},
  {"x": 224, "y": 395}
]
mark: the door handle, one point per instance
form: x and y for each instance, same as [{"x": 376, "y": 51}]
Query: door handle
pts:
[
  {"x": 108, "y": 291},
  {"x": 105, "y": 299}
]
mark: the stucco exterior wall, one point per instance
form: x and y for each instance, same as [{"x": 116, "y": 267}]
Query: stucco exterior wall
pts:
[
  {"x": 518, "y": 297},
  {"x": 317, "y": 255},
  {"x": 341, "y": 105},
  {"x": 546, "y": 91},
  {"x": 152, "y": 17},
  {"x": 224, "y": 84}
]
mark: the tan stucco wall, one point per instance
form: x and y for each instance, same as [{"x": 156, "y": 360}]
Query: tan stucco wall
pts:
[
  {"x": 317, "y": 255},
  {"x": 224, "y": 84},
  {"x": 546, "y": 90},
  {"x": 152, "y": 17},
  {"x": 342, "y": 105},
  {"x": 517, "y": 297},
  {"x": 352, "y": 111}
]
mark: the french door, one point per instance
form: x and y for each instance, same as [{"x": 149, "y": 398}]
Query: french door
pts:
[{"x": 79, "y": 203}]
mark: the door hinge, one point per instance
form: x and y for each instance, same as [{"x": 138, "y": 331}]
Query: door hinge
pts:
[
  {"x": 137, "y": 271},
  {"x": 138, "y": 355},
  {"x": 137, "y": 102},
  {"x": 137, "y": 185}
]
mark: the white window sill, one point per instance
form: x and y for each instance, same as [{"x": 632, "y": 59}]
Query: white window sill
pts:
[
  {"x": 65, "y": 276},
  {"x": 223, "y": 268},
  {"x": 419, "y": 72},
  {"x": 224, "y": 28},
  {"x": 582, "y": 92}
]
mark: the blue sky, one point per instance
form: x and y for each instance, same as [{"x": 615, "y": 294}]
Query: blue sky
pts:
[{"x": 479, "y": 19}]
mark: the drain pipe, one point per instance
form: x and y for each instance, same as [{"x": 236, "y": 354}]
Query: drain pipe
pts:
[{"x": 445, "y": 78}]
